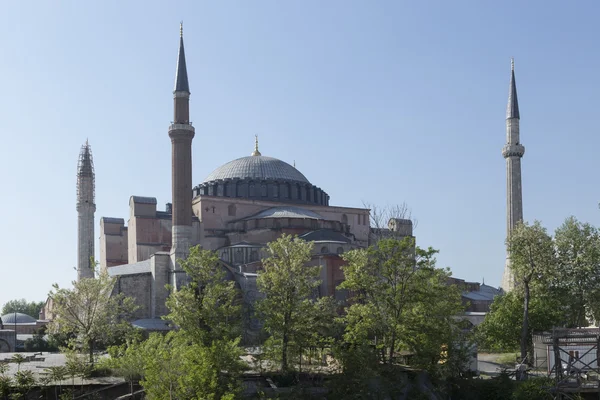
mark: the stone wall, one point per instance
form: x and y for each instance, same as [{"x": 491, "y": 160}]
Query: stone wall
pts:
[
  {"x": 215, "y": 213},
  {"x": 113, "y": 242},
  {"x": 139, "y": 287},
  {"x": 8, "y": 340}
]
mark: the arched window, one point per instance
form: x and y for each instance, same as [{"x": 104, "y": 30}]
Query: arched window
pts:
[
  {"x": 340, "y": 250},
  {"x": 253, "y": 255},
  {"x": 324, "y": 250},
  {"x": 263, "y": 190},
  {"x": 276, "y": 190},
  {"x": 344, "y": 219},
  {"x": 231, "y": 210},
  {"x": 251, "y": 190}
]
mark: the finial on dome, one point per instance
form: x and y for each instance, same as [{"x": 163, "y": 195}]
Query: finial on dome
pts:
[
  {"x": 294, "y": 163},
  {"x": 255, "y": 152},
  {"x": 181, "y": 29},
  {"x": 512, "y": 63}
]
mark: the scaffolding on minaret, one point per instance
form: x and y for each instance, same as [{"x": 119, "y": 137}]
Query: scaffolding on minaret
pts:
[{"x": 85, "y": 170}]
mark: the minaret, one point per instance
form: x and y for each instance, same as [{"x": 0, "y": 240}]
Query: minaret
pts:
[
  {"x": 513, "y": 152},
  {"x": 85, "y": 213},
  {"x": 181, "y": 133}
]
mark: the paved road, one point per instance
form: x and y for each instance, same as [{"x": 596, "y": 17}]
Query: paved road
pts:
[{"x": 50, "y": 360}]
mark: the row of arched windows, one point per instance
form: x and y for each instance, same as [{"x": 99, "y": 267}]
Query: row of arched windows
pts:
[{"x": 292, "y": 191}]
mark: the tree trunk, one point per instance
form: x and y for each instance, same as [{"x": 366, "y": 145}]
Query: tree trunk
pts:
[
  {"x": 91, "y": 346},
  {"x": 392, "y": 345},
  {"x": 525, "y": 328},
  {"x": 284, "y": 348}
]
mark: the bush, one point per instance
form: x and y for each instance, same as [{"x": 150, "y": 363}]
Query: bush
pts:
[
  {"x": 37, "y": 343},
  {"x": 534, "y": 389}
]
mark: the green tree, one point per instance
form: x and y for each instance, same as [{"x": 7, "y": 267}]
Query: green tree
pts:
[
  {"x": 177, "y": 368},
  {"x": 57, "y": 374},
  {"x": 91, "y": 311},
  {"x": 127, "y": 360},
  {"x": 533, "y": 262},
  {"x": 24, "y": 382},
  {"x": 501, "y": 329},
  {"x": 5, "y": 380},
  {"x": 289, "y": 309},
  {"x": 31, "y": 308},
  {"x": 209, "y": 307},
  {"x": 400, "y": 300},
  {"x": 578, "y": 272},
  {"x": 18, "y": 359}
]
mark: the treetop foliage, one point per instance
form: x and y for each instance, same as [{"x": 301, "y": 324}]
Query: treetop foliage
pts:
[{"x": 31, "y": 308}]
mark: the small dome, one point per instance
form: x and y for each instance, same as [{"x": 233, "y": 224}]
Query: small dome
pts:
[
  {"x": 257, "y": 167},
  {"x": 20, "y": 318}
]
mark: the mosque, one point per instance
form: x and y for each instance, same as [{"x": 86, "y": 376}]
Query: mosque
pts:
[{"x": 236, "y": 210}]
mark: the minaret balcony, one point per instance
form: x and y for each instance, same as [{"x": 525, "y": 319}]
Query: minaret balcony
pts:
[
  {"x": 186, "y": 127},
  {"x": 513, "y": 150}
]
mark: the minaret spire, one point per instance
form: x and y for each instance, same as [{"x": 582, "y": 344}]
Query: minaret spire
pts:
[
  {"x": 512, "y": 151},
  {"x": 181, "y": 78},
  {"x": 512, "y": 109},
  {"x": 86, "y": 208},
  {"x": 181, "y": 133}
]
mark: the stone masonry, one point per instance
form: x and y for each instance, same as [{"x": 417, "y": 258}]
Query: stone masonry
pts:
[
  {"x": 513, "y": 152},
  {"x": 85, "y": 210}
]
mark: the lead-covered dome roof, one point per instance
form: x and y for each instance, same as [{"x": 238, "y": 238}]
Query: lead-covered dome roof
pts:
[
  {"x": 258, "y": 177},
  {"x": 17, "y": 318},
  {"x": 259, "y": 168}
]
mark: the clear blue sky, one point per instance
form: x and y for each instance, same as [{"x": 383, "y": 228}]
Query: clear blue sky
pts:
[{"x": 378, "y": 101}]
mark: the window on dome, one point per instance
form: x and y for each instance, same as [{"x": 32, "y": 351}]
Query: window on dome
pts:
[
  {"x": 251, "y": 191},
  {"x": 286, "y": 191},
  {"x": 324, "y": 250},
  {"x": 263, "y": 190}
]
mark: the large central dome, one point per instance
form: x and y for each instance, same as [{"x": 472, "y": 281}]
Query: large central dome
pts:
[
  {"x": 261, "y": 178},
  {"x": 257, "y": 167}
]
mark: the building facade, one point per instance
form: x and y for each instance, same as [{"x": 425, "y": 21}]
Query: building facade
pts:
[{"x": 236, "y": 210}]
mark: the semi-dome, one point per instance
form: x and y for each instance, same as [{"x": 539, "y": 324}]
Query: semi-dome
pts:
[
  {"x": 17, "y": 318},
  {"x": 257, "y": 167}
]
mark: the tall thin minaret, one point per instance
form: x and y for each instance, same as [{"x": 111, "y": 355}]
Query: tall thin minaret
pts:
[
  {"x": 85, "y": 212},
  {"x": 181, "y": 133},
  {"x": 513, "y": 152}
]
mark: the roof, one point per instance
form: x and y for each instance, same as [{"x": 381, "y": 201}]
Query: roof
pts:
[
  {"x": 482, "y": 296},
  {"x": 285, "y": 212},
  {"x": 181, "y": 77},
  {"x": 20, "y": 318},
  {"x": 324, "y": 235},
  {"x": 143, "y": 200},
  {"x": 111, "y": 220},
  {"x": 257, "y": 167},
  {"x": 141, "y": 267},
  {"x": 512, "y": 109},
  {"x": 246, "y": 244},
  {"x": 152, "y": 324}
]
